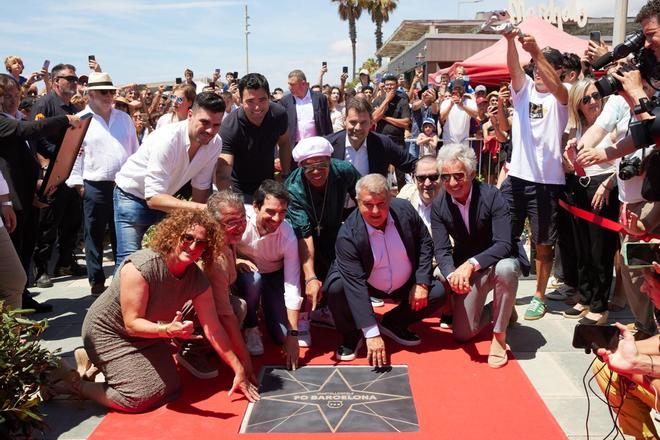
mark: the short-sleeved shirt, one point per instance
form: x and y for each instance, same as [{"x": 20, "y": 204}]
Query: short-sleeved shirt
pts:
[
  {"x": 398, "y": 108},
  {"x": 456, "y": 128},
  {"x": 253, "y": 147},
  {"x": 50, "y": 105},
  {"x": 538, "y": 123},
  {"x": 161, "y": 164}
]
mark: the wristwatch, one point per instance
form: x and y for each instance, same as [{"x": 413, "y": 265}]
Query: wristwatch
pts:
[{"x": 292, "y": 333}]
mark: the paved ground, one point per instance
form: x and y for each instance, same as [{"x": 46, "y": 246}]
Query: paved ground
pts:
[{"x": 542, "y": 347}]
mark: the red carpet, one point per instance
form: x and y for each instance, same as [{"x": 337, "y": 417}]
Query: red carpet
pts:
[{"x": 456, "y": 394}]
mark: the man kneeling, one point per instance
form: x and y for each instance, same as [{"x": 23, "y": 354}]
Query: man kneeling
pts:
[
  {"x": 484, "y": 257},
  {"x": 384, "y": 250}
]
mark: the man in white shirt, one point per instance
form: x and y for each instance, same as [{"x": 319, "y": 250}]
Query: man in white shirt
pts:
[
  {"x": 425, "y": 188},
  {"x": 383, "y": 250},
  {"x": 536, "y": 175},
  {"x": 455, "y": 114},
  {"x": 269, "y": 270},
  {"x": 109, "y": 141},
  {"x": 166, "y": 160}
]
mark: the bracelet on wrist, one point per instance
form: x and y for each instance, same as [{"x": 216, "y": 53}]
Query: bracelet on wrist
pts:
[
  {"x": 310, "y": 279},
  {"x": 7, "y": 203},
  {"x": 162, "y": 329}
]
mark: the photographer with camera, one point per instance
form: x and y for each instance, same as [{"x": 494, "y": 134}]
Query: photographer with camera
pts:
[{"x": 638, "y": 216}]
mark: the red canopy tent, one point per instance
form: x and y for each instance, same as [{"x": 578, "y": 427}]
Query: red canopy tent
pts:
[{"x": 488, "y": 66}]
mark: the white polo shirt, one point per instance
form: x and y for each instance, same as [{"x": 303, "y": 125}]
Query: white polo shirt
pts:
[{"x": 161, "y": 165}]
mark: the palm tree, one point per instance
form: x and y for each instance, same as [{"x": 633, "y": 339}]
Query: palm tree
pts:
[
  {"x": 380, "y": 13},
  {"x": 350, "y": 10}
]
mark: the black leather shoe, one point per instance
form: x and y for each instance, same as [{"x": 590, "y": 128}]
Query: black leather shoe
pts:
[
  {"x": 98, "y": 289},
  {"x": 44, "y": 281},
  {"x": 30, "y": 303}
]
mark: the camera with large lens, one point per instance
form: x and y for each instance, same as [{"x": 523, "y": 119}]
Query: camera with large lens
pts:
[
  {"x": 629, "y": 167},
  {"x": 633, "y": 43}
]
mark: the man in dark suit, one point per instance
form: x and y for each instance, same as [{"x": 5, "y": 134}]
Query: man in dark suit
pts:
[
  {"x": 484, "y": 256},
  {"x": 384, "y": 250},
  {"x": 307, "y": 111},
  {"x": 367, "y": 151}
]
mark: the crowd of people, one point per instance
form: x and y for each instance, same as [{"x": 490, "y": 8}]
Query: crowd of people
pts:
[{"x": 220, "y": 199}]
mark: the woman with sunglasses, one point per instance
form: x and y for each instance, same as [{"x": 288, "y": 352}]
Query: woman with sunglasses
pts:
[
  {"x": 128, "y": 329},
  {"x": 594, "y": 190},
  {"x": 181, "y": 99}
]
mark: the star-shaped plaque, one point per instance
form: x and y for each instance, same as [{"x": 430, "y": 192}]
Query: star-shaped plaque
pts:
[{"x": 332, "y": 399}]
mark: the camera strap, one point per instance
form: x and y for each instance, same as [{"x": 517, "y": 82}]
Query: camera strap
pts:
[{"x": 601, "y": 221}]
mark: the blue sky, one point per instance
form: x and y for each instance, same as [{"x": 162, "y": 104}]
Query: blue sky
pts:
[{"x": 143, "y": 41}]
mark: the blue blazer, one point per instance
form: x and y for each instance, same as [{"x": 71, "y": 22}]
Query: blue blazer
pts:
[
  {"x": 490, "y": 238},
  {"x": 322, "y": 119},
  {"x": 382, "y": 152},
  {"x": 354, "y": 260}
]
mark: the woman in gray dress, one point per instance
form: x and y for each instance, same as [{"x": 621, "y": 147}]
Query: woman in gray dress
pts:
[{"x": 127, "y": 330}]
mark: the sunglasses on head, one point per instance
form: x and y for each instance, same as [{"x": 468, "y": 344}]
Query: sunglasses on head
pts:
[
  {"x": 176, "y": 99},
  {"x": 189, "y": 239},
  {"x": 586, "y": 99},
  {"x": 421, "y": 178},
  {"x": 459, "y": 177},
  {"x": 316, "y": 166},
  {"x": 70, "y": 78}
]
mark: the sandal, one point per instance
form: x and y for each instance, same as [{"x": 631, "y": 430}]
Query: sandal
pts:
[{"x": 86, "y": 369}]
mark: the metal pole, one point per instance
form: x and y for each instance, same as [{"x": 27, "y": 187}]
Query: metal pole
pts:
[
  {"x": 620, "y": 19},
  {"x": 247, "y": 56}
]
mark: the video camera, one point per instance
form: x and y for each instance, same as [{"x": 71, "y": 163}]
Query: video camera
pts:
[{"x": 644, "y": 60}]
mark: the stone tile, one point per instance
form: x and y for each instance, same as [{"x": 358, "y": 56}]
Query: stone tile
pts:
[
  {"x": 571, "y": 413},
  {"x": 71, "y": 419},
  {"x": 549, "y": 377}
]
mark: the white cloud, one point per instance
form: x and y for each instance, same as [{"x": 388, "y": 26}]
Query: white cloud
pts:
[{"x": 340, "y": 47}]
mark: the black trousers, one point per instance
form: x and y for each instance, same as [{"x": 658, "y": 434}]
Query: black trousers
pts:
[
  {"x": 59, "y": 222},
  {"x": 98, "y": 215},
  {"x": 401, "y": 316},
  {"x": 565, "y": 265},
  {"x": 595, "y": 246},
  {"x": 25, "y": 234}
]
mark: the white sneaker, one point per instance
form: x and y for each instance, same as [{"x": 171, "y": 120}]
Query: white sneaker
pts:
[
  {"x": 304, "y": 336},
  {"x": 253, "y": 341},
  {"x": 322, "y": 317}
]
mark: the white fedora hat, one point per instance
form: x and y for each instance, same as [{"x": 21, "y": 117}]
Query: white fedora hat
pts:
[{"x": 100, "y": 81}]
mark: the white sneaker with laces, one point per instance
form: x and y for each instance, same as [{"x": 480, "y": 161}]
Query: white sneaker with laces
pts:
[
  {"x": 304, "y": 336},
  {"x": 253, "y": 341}
]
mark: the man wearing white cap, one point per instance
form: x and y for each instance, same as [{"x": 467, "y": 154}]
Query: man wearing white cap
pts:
[
  {"x": 317, "y": 190},
  {"x": 109, "y": 141}
]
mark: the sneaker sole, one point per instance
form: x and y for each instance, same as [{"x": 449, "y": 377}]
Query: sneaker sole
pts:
[
  {"x": 198, "y": 374},
  {"x": 350, "y": 357},
  {"x": 581, "y": 315},
  {"x": 534, "y": 318},
  {"x": 390, "y": 334}
]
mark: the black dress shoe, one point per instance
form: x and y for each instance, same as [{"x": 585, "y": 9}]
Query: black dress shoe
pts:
[
  {"x": 401, "y": 335},
  {"x": 44, "y": 281},
  {"x": 98, "y": 289},
  {"x": 30, "y": 303}
]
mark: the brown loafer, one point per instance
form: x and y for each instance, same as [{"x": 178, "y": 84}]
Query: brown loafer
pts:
[{"x": 497, "y": 358}]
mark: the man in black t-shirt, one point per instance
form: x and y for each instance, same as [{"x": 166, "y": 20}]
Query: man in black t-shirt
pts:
[
  {"x": 249, "y": 137},
  {"x": 392, "y": 115}
]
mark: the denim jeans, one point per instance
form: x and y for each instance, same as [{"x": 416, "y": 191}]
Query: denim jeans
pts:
[
  {"x": 97, "y": 213},
  {"x": 269, "y": 288},
  {"x": 132, "y": 219}
]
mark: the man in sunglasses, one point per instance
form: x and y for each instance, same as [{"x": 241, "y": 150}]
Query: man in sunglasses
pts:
[
  {"x": 61, "y": 220},
  {"x": 423, "y": 191},
  {"x": 483, "y": 257},
  {"x": 318, "y": 189},
  {"x": 109, "y": 141}
]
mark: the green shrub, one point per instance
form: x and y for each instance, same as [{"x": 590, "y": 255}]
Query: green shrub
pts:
[{"x": 23, "y": 368}]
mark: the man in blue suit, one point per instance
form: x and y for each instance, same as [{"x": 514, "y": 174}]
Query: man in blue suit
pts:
[
  {"x": 384, "y": 250},
  {"x": 307, "y": 111},
  {"x": 484, "y": 256}
]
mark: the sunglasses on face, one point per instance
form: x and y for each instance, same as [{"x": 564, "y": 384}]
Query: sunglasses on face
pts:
[
  {"x": 315, "y": 166},
  {"x": 586, "y": 99},
  {"x": 188, "y": 240},
  {"x": 176, "y": 99},
  {"x": 105, "y": 92},
  {"x": 233, "y": 224},
  {"x": 421, "y": 178},
  {"x": 69, "y": 78},
  {"x": 459, "y": 177}
]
